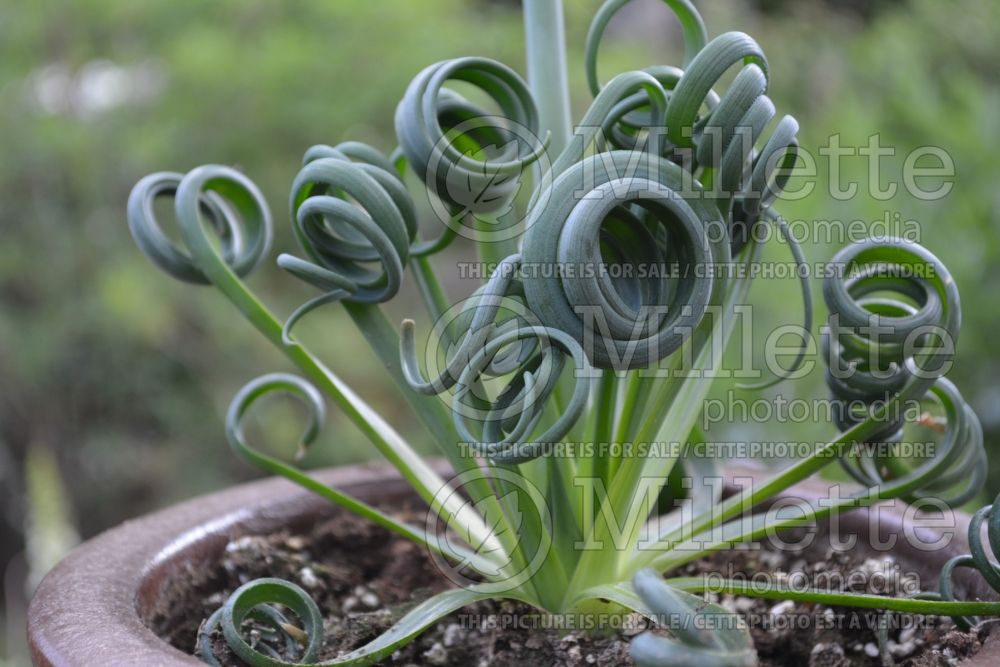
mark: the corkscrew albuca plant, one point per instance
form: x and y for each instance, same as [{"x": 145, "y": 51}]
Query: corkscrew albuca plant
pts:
[{"x": 661, "y": 171}]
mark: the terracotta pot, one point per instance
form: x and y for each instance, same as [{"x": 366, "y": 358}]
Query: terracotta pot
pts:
[{"x": 93, "y": 607}]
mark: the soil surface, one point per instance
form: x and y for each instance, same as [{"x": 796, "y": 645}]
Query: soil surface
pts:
[{"x": 363, "y": 579}]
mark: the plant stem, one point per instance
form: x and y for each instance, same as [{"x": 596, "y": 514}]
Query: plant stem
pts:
[{"x": 546, "y": 54}]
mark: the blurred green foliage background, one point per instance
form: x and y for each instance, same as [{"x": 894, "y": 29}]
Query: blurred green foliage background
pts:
[{"x": 113, "y": 377}]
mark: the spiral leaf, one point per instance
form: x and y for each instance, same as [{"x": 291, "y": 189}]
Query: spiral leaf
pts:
[
  {"x": 255, "y": 600},
  {"x": 524, "y": 399},
  {"x": 266, "y": 384},
  {"x": 692, "y": 26},
  {"x": 646, "y": 222},
  {"x": 478, "y": 320},
  {"x": 469, "y": 157},
  {"x": 704, "y": 72},
  {"x": 635, "y": 117},
  {"x": 713, "y": 136},
  {"x": 981, "y": 557},
  {"x": 341, "y": 237},
  {"x": 220, "y": 196},
  {"x": 624, "y": 92},
  {"x": 894, "y": 322}
]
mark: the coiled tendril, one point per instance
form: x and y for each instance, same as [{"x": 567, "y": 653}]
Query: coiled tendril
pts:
[
  {"x": 350, "y": 208},
  {"x": 644, "y": 223},
  {"x": 631, "y": 113},
  {"x": 468, "y": 156},
  {"x": 691, "y": 22},
  {"x": 279, "y": 645},
  {"x": 894, "y": 322},
  {"x": 979, "y": 558},
  {"x": 502, "y": 429},
  {"x": 221, "y": 197},
  {"x": 725, "y": 137}
]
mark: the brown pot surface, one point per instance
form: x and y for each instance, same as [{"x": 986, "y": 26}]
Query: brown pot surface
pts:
[{"x": 90, "y": 609}]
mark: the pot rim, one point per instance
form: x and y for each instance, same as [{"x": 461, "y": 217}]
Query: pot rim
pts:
[{"x": 93, "y": 606}]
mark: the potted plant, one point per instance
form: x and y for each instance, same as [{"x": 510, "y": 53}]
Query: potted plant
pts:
[{"x": 564, "y": 393}]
